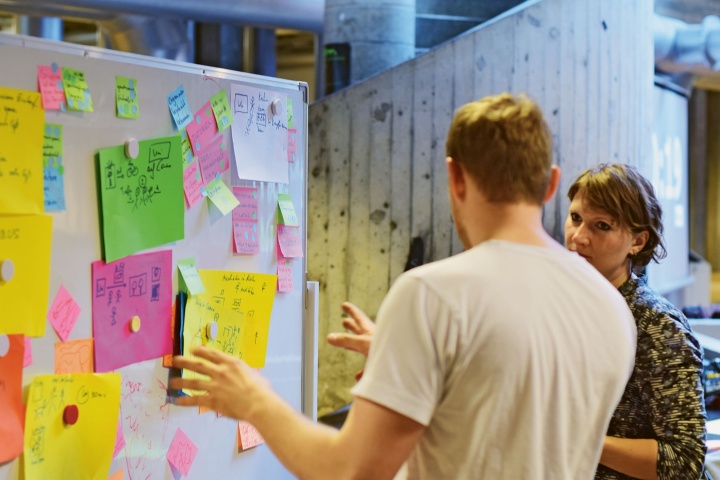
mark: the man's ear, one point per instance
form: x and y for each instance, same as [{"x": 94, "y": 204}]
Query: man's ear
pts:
[
  {"x": 457, "y": 187},
  {"x": 553, "y": 184}
]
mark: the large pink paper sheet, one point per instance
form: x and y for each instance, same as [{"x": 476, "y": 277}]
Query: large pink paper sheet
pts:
[{"x": 136, "y": 285}]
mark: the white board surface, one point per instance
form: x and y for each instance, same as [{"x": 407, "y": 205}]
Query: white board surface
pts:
[{"x": 76, "y": 244}]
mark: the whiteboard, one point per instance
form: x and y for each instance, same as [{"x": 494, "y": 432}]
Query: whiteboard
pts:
[{"x": 208, "y": 236}]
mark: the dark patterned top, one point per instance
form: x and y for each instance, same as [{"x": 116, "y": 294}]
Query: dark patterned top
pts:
[{"x": 664, "y": 397}]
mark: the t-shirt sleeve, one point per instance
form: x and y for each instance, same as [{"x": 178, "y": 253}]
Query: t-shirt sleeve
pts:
[{"x": 403, "y": 371}]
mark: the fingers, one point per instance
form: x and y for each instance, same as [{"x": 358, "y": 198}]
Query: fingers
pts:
[
  {"x": 178, "y": 383},
  {"x": 193, "y": 364},
  {"x": 357, "y": 322},
  {"x": 356, "y": 343},
  {"x": 211, "y": 355},
  {"x": 193, "y": 401}
]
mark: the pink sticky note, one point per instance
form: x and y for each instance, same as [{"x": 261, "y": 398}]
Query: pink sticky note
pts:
[
  {"x": 289, "y": 240},
  {"x": 202, "y": 129},
  {"x": 51, "y": 87},
  {"x": 63, "y": 313},
  {"x": 27, "y": 358},
  {"x": 119, "y": 439},
  {"x": 247, "y": 210},
  {"x": 213, "y": 159},
  {"x": 181, "y": 452},
  {"x": 75, "y": 356},
  {"x": 133, "y": 286},
  {"x": 248, "y": 436},
  {"x": 246, "y": 237},
  {"x": 193, "y": 183},
  {"x": 284, "y": 271},
  {"x": 292, "y": 144}
]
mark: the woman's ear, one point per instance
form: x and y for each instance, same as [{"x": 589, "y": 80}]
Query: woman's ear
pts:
[{"x": 639, "y": 241}]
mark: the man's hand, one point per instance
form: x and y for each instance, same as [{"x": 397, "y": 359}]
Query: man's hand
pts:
[
  {"x": 232, "y": 386},
  {"x": 362, "y": 329}
]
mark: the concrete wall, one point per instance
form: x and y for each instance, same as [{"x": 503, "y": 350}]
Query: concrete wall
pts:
[{"x": 377, "y": 177}]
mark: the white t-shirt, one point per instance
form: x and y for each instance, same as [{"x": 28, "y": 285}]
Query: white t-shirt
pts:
[{"x": 514, "y": 358}]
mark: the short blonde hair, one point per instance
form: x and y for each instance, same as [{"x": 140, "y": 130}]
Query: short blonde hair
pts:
[
  {"x": 505, "y": 144},
  {"x": 623, "y": 193}
]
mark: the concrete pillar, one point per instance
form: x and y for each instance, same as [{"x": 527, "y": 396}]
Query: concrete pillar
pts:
[{"x": 380, "y": 33}]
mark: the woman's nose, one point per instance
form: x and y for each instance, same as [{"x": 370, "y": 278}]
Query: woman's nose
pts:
[{"x": 579, "y": 236}]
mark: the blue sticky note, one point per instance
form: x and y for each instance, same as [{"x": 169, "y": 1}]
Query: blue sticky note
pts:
[
  {"x": 180, "y": 108},
  {"x": 54, "y": 188}
]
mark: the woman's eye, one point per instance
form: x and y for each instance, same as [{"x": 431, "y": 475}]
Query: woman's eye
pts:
[
  {"x": 574, "y": 217},
  {"x": 603, "y": 226}
]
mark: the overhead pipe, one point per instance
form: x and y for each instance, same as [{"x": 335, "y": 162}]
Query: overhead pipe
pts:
[{"x": 687, "y": 48}]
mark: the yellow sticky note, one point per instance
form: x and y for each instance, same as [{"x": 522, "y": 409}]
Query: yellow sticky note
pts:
[
  {"x": 25, "y": 244},
  {"x": 251, "y": 295},
  {"x": 221, "y": 195},
  {"x": 22, "y": 122},
  {"x": 70, "y": 425}
]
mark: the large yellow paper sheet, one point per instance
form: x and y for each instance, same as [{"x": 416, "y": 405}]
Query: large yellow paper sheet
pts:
[
  {"x": 25, "y": 240},
  {"x": 83, "y": 450},
  {"x": 22, "y": 121},
  {"x": 251, "y": 295}
]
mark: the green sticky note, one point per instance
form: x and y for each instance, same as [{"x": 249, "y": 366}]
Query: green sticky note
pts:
[
  {"x": 187, "y": 153},
  {"x": 76, "y": 89},
  {"x": 221, "y": 109},
  {"x": 190, "y": 276},
  {"x": 221, "y": 195},
  {"x": 291, "y": 123},
  {"x": 286, "y": 210},
  {"x": 126, "y": 99},
  {"x": 141, "y": 199}
]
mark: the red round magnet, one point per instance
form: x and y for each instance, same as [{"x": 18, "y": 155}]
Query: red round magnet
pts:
[{"x": 70, "y": 415}]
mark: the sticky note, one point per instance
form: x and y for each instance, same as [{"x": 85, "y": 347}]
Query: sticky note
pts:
[
  {"x": 28, "y": 358},
  {"x": 247, "y": 209},
  {"x": 289, "y": 241},
  {"x": 119, "y": 439},
  {"x": 167, "y": 358},
  {"x": 83, "y": 449},
  {"x": 25, "y": 240},
  {"x": 213, "y": 159},
  {"x": 51, "y": 87},
  {"x": 284, "y": 271},
  {"x": 181, "y": 453},
  {"x": 75, "y": 356},
  {"x": 190, "y": 276},
  {"x": 187, "y": 153},
  {"x": 11, "y": 407},
  {"x": 248, "y": 436},
  {"x": 292, "y": 145},
  {"x": 63, "y": 313},
  {"x": 180, "y": 108},
  {"x": 221, "y": 196},
  {"x": 138, "y": 285},
  {"x": 118, "y": 475},
  {"x": 202, "y": 129},
  {"x": 246, "y": 239},
  {"x": 290, "y": 114},
  {"x": 251, "y": 294},
  {"x": 141, "y": 199},
  {"x": 21, "y": 131},
  {"x": 286, "y": 210},
  {"x": 126, "y": 98},
  {"x": 221, "y": 109},
  {"x": 192, "y": 183},
  {"x": 53, "y": 169},
  {"x": 77, "y": 92}
]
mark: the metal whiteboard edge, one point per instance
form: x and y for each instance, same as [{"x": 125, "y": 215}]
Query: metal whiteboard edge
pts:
[
  {"x": 143, "y": 60},
  {"x": 310, "y": 344}
]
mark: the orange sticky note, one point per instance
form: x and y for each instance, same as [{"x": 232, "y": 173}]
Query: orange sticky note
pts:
[
  {"x": 248, "y": 436},
  {"x": 118, "y": 475},
  {"x": 12, "y": 350},
  {"x": 75, "y": 356}
]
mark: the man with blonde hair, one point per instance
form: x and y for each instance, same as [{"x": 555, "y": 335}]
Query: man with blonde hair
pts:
[{"x": 503, "y": 362}]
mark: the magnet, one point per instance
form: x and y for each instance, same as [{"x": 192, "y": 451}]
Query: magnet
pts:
[
  {"x": 7, "y": 270},
  {"x": 4, "y": 345},
  {"x": 135, "y": 324},
  {"x": 276, "y": 107},
  {"x": 70, "y": 415},
  {"x": 132, "y": 148},
  {"x": 212, "y": 330}
]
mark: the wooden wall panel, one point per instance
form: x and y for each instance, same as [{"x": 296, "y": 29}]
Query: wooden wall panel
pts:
[{"x": 377, "y": 148}]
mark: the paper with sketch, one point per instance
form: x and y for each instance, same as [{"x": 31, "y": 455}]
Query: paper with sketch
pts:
[
  {"x": 11, "y": 407},
  {"x": 259, "y": 135},
  {"x": 181, "y": 452},
  {"x": 25, "y": 240},
  {"x": 136, "y": 286},
  {"x": 80, "y": 450},
  {"x": 64, "y": 312},
  {"x": 22, "y": 121},
  {"x": 53, "y": 169},
  {"x": 142, "y": 199},
  {"x": 248, "y": 436},
  {"x": 75, "y": 356},
  {"x": 144, "y": 414},
  {"x": 250, "y": 294}
]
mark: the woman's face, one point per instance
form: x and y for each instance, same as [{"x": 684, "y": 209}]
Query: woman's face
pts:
[{"x": 599, "y": 238}]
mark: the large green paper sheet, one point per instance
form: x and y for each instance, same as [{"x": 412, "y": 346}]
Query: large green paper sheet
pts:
[{"x": 142, "y": 201}]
